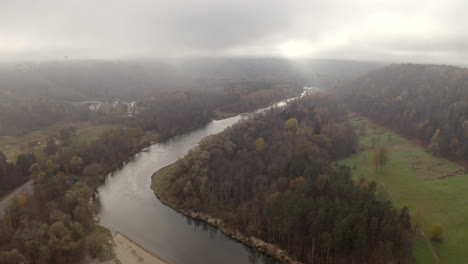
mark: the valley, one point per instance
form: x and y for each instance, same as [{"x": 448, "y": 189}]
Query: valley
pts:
[{"x": 430, "y": 186}]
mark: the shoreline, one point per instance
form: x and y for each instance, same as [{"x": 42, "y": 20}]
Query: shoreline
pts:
[
  {"x": 252, "y": 241},
  {"x": 141, "y": 247},
  {"x": 128, "y": 251}
]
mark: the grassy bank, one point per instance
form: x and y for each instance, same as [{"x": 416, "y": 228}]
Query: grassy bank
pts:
[{"x": 413, "y": 177}]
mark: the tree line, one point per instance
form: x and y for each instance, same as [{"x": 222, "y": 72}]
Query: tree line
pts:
[{"x": 428, "y": 102}]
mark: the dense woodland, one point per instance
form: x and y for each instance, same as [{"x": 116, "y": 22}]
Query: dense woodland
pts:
[
  {"x": 166, "y": 112},
  {"x": 273, "y": 177},
  {"x": 15, "y": 173},
  {"x": 429, "y": 102},
  {"x": 173, "y": 111},
  {"x": 55, "y": 223},
  {"x": 19, "y": 116}
]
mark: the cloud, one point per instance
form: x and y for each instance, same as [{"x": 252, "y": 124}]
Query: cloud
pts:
[{"x": 419, "y": 31}]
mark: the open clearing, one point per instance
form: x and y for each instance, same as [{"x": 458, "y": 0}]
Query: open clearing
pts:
[
  {"x": 415, "y": 178},
  {"x": 86, "y": 133}
]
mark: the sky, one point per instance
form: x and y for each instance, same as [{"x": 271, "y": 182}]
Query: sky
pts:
[{"x": 396, "y": 30}]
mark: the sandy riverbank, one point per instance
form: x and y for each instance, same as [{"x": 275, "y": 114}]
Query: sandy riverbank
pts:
[{"x": 128, "y": 251}]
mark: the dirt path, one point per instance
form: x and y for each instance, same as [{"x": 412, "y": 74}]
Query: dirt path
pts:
[
  {"x": 28, "y": 187},
  {"x": 433, "y": 251}
]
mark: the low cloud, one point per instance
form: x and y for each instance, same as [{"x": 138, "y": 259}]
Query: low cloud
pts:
[{"x": 400, "y": 31}]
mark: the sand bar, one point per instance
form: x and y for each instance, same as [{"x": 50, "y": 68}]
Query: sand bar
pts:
[{"x": 128, "y": 251}]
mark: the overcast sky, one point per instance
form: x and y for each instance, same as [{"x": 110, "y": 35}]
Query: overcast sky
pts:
[{"x": 393, "y": 30}]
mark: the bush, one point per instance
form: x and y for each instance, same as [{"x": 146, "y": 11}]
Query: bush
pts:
[{"x": 437, "y": 232}]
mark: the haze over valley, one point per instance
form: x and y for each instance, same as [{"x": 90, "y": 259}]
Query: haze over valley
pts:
[{"x": 237, "y": 132}]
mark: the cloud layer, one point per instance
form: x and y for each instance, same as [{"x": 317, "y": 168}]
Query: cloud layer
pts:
[{"x": 401, "y": 31}]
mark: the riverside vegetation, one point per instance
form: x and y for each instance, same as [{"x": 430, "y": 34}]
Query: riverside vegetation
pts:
[
  {"x": 54, "y": 223},
  {"x": 273, "y": 177},
  {"x": 278, "y": 181}
]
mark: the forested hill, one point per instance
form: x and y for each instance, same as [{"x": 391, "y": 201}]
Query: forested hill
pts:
[
  {"x": 168, "y": 93},
  {"x": 129, "y": 80},
  {"x": 429, "y": 102},
  {"x": 273, "y": 177}
]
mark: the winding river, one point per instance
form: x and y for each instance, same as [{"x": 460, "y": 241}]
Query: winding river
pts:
[{"x": 129, "y": 206}]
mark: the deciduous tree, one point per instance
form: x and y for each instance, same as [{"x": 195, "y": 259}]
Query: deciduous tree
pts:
[
  {"x": 291, "y": 124},
  {"x": 259, "y": 144},
  {"x": 437, "y": 232},
  {"x": 380, "y": 157}
]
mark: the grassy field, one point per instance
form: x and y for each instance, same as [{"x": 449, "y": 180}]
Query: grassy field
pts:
[
  {"x": 86, "y": 135},
  {"x": 13, "y": 145},
  {"x": 415, "y": 178}
]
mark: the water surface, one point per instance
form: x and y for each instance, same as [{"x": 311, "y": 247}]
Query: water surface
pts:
[{"x": 129, "y": 206}]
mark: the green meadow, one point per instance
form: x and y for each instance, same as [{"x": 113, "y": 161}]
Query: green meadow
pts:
[
  {"x": 85, "y": 134},
  {"x": 415, "y": 178}
]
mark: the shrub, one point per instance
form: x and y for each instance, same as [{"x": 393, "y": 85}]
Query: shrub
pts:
[{"x": 437, "y": 232}]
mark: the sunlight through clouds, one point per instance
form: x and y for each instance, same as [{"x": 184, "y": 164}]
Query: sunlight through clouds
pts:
[{"x": 120, "y": 29}]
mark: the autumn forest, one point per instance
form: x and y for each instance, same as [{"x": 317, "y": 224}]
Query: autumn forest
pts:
[{"x": 320, "y": 178}]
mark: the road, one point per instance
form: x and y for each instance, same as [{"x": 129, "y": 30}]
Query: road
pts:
[{"x": 28, "y": 187}]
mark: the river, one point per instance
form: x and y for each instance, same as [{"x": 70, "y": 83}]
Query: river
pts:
[{"x": 128, "y": 205}]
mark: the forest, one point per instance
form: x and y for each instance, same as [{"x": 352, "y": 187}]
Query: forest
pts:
[
  {"x": 427, "y": 102},
  {"x": 274, "y": 177},
  {"x": 172, "y": 111},
  {"x": 15, "y": 173},
  {"x": 165, "y": 112},
  {"x": 289, "y": 152},
  {"x": 233, "y": 132},
  {"x": 55, "y": 224},
  {"x": 21, "y": 116}
]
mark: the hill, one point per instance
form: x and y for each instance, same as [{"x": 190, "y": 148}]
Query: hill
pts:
[{"x": 128, "y": 80}]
